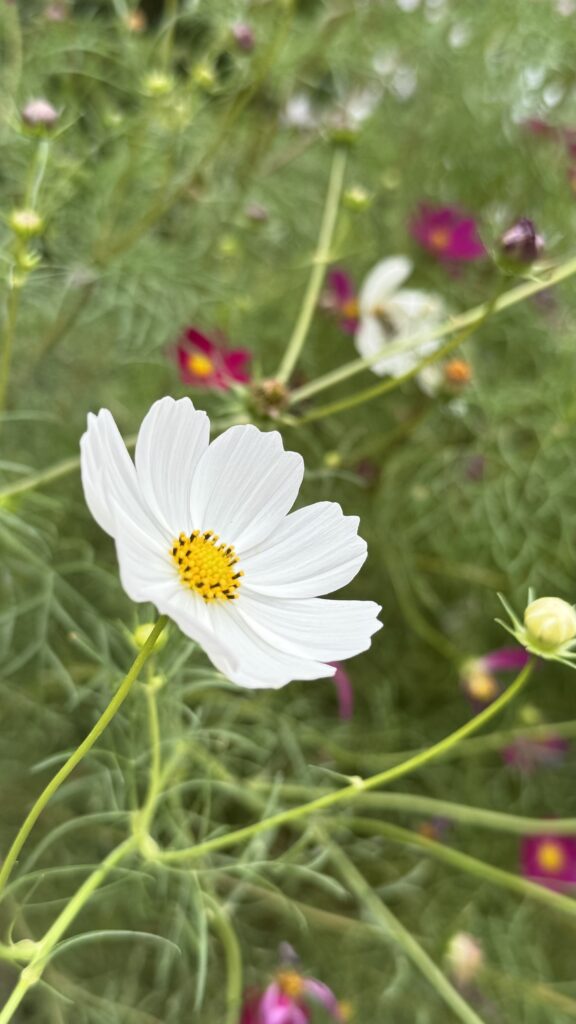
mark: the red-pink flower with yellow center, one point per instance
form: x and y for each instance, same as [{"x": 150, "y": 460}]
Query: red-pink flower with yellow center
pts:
[
  {"x": 550, "y": 860},
  {"x": 209, "y": 364},
  {"x": 448, "y": 233}
]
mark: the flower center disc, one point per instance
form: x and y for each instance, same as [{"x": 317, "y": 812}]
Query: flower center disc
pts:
[
  {"x": 207, "y": 567},
  {"x": 551, "y": 857}
]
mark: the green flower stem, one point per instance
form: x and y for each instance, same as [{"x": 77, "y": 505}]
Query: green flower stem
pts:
[
  {"x": 381, "y": 915},
  {"x": 233, "y": 954},
  {"x": 80, "y": 752},
  {"x": 12, "y": 303},
  {"x": 34, "y": 970},
  {"x": 469, "y": 319},
  {"x": 358, "y": 786},
  {"x": 408, "y": 803},
  {"x": 464, "y": 862},
  {"x": 143, "y": 818},
  {"x": 320, "y": 259},
  {"x": 391, "y": 383}
]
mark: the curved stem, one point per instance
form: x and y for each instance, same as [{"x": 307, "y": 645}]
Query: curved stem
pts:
[
  {"x": 358, "y": 785},
  {"x": 34, "y": 970},
  {"x": 80, "y": 752},
  {"x": 469, "y": 319},
  {"x": 380, "y": 914},
  {"x": 320, "y": 259},
  {"x": 233, "y": 955}
]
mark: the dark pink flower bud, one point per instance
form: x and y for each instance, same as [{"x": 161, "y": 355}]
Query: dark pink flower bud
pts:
[
  {"x": 243, "y": 36},
  {"x": 521, "y": 244}
]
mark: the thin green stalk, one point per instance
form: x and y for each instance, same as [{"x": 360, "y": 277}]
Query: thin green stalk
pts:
[
  {"x": 34, "y": 970},
  {"x": 379, "y": 912},
  {"x": 358, "y": 785},
  {"x": 464, "y": 862},
  {"x": 409, "y": 803},
  {"x": 469, "y": 319},
  {"x": 233, "y": 955},
  {"x": 143, "y": 818},
  {"x": 319, "y": 261},
  {"x": 12, "y": 304},
  {"x": 395, "y": 382},
  {"x": 80, "y": 752}
]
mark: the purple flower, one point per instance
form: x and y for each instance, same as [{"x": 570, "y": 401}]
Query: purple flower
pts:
[
  {"x": 243, "y": 36},
  {"x": 290, "y": 999},
  {"x": 210, "y": 364},
  {"x": 344, "y": 690},
  {"x": 447, "y": 232},
  {"x": 340, "y": 299},
  {"x": 550, "y": 860},
  {"x": 477, "y": 677}
]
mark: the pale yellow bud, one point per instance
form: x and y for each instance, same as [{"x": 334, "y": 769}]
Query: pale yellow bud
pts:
[
  {"x": 550, "y": 622},
  {"x": 142, "y": 633},
  {"x": 465, "y": 958},
  {"x": 26, "y": 223}
]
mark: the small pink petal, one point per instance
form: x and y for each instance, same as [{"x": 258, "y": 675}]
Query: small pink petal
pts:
[{"x": 344, "y": 690}]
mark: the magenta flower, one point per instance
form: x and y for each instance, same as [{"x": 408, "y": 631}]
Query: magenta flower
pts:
[
  {"x": 448, "y": 233},
  {"x": 344, "y": 691},
  {"x": 341, "y": 299},
  {"x": 290, "y": 999},
  {"x": 477, "y": 677},
  {"x": 550, "y": 860},
  {"x": 529, "y": 754},
  {"x": 209, "y": 364}
]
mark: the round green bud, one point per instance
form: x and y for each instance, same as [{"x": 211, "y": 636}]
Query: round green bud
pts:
[
  {"x": 357, "y": 198},
  {"x": 332, "y": 460},
  {"x": 157, "y": 83},
  {"x": 26, "y": 223},
  {"x": 142, "y": 633},
  {"x": 550, "y": 622}
]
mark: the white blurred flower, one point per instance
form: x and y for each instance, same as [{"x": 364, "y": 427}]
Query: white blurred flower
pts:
[
  {"x": 204, "y": 531},
  {"x": 390, "y": 313}
]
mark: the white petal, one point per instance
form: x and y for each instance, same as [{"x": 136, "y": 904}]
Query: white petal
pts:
[
  {"x": 369, "y": 339},
  {"x": 318, "y": 629},
  {"x": 244, "y": 484},
  {"x": 171, "y": 440},
  {"x": 382, "y": 281},
  {"x": 260, "y": 665},
  {"x": 108, "y": 475},
  {"x": 313, "y": 551},
  {"x": 418, "y": 311}
]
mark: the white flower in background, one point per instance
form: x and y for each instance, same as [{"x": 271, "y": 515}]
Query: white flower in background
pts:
[
  {"x": 390, "y": 313},
  {"x": 204, "y": 531}
]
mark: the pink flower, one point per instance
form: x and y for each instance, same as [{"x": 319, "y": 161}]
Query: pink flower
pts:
[
  {"x": 477, "y": 677},
  {"x": 529, "y": 754},
  {"x": 344, "y": 690},
  {"x": 209, "y": 364},
  {"x": 550, "y": 860},
  {"x": 340, "y": 299},
  {"x": 448, "y": 233},
  {"x": 290, "y": 999}
]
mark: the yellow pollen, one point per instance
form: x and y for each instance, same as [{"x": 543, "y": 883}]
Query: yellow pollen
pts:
[
  {"x": 440, "y": 238},
  {"x": 200, "y": 365},
  {"x": 206, "y": 566},
  {"x": 350, "y": 308},
  {"x": 551, "y": 857},
  {"x": 291, "y": 983}
]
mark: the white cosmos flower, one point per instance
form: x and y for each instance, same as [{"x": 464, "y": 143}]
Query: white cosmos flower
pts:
[
  {"x": 390, "y": 313},
  {"x": 204, "y": 531}
]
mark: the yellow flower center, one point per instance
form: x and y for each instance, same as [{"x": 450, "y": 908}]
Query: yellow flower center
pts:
[
  {"x": 440, "y": 238},
  {"x": 482, "y": 686},
  {"x": 345, "y": 1009},
  {"x": 200, "y": 365},
  {"x": 291, "y": 983},
  {"x": 550, "y": 857},
  {"x": 207, "y": 567},
  {"x": 350, "y": 308}
]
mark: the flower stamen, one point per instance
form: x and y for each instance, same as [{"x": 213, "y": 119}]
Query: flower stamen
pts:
[{"x": 206, "y": 566}]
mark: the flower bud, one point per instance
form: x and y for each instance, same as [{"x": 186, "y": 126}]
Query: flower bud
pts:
[
  {"x": 142, "y": 633},
  {"x": 39, "y": 114},
  {"x": 550, "y": 622},
  {"x": 243, "y": 36},
  {"x": 521, "y": 244},
  {"x": 465, "y": 958},
  {"x": 357, "y": 198},
  {"x": 157, "y": 83},
  {"x": 26, "y": 223},
  {"x": 136, "y": 21},
  {"x": 204, "y": 77}
]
